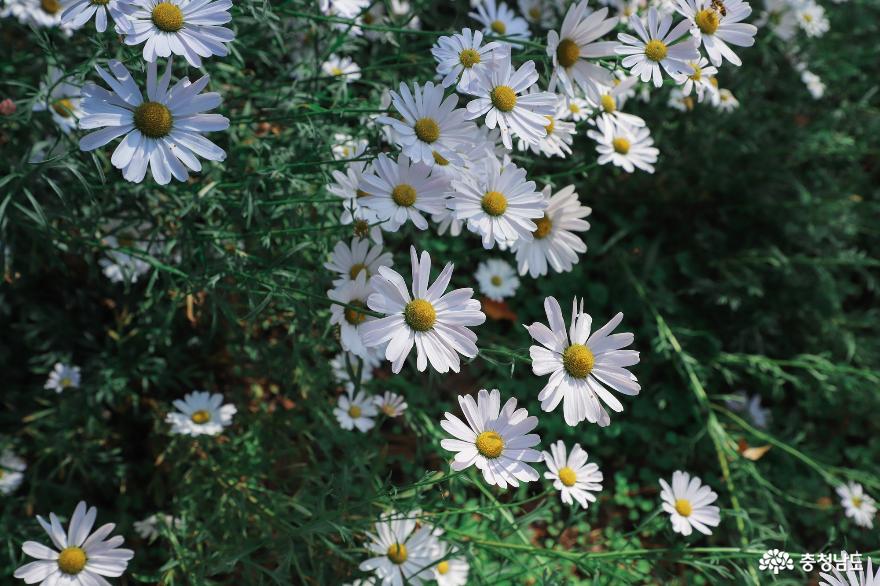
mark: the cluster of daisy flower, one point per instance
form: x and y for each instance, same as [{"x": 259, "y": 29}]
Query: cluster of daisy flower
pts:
[{"x": 163, "y": 129}]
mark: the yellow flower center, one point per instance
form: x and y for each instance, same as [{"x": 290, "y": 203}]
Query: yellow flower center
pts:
[
  {"x": 857, "y": 502},
  {"x": 354, "y": 412},
  {"x": 494, "y": 203},
  {"x": 336, "y": 71},
  {"x": 503, "y": 98},
  {"x": 714, "y": 82},
  {"x": 534, "y": 13},
  {"x": 389, "y": 410},
  {"x": 490, "y": 444},
  {"x": 688, "y": 102},
  {"x": 50, "y": 6},
  {"x": 65, "y": 382},
  {"x": 808, "y": 17},
  {"x": 567, "y": 476},
  {"x": 544, "y": 225},
  {"x": 168, "y": 17},
  {"x": 578, "y": 360},
  {"x": 420, "y": 315},
  {"x": 567, "y": 52},
  {"x": 153, "y": 119},
  {"x": 404, "y": 195},
  {"x": 368, "y": 18},
  {"x": 353, "y": 316},
  {"x": 200, "y": 417},
  {"x": 697, "y": 75},
  {"x": 574, "y": 108},
  {"x": 100, "y": 2},
  {"x": 550, "y": 127},
  {"x": 443, "y": 567},
  {"x": 496, "y": 280},
  {"x": 656, "y": 50},
  {"x": 608, "y": 103},
  {"x": 468, "y": 58},
  {"x": 361, "y": 228},
  {"x": 72, "y": 560},
  {"x": 63, "y": 108},
  {"x": 438, "y": 158},
  {"x": 683, "y": 507},
  {"x": 356, "y": 269},
  {"x": 2, "y": 472},
  {"x": 707, "y": 21},
  {"x": 397, "y": 553},
  {"x": 621, "y": 145},
  {"x": 361, "y": 193},
  {"x": 498, "y": 27},
  {"x": 427, "y": 130}
]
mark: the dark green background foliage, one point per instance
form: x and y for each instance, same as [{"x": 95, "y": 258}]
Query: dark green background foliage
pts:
[{"x": 745, "y": 262}]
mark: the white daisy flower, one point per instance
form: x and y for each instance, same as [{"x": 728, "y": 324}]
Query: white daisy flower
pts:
[
  {"x": 498, "y": 19},
  {"x": 451, "y": 571},
  {"x": 11, "y": 471},
  {"x": 39, "y": 13},
  {"x": 742, "y": 403},
  {"x": 190, "y": 28},
  {"x": 688, "y": 503},
  {"x": 120, "y": 266},
  {"x": 624, "y": 146},
  {"x": 538, "y": 12},
  {"x": 581, "y": 365},
  {"x": 82, "y": 557},
  {"x": 62, "y": 99},
  {"x": 814, "y": 84},
  {"x": 431, "y": 127},
  {"x": 864, "y": 577},
  {"x": 342, "y": 67},
  {"x": 726, "y": 101},
  {"x": 560, "y": 133},
  {"x": 779, "y": 16},
  {"x": 164, "y": 131},
  {"x": 391, "y": 404},
  {"x": 347, "y": 185},
  {"x": 343, "y": 8},
  {"x": 150, "y": 528},
  {"x": 447, "y": 221},
  {"x": 346, "y": 146},
  {"x": 718, "y": 24},
  {"x": 554, "y": 241},
  {"x": 697, "y": 79},
  {"x": 362, "y": 367},
  {"x": 355, "y": 411},
  {"x": 571, "y": 475},
  {"x": 499, "y": 204},
  {"x": 399, "y": 191},
  {"x": 679, "y": 101},
  {"x": 349, "y": 320},
  {"x": 461, "y": 57},
  {"x": 496, "y": 440},
  {"x": 579, "y": 108},
  {"x": 63, "y": 377},
  {"x": 609, "y": 101},
  {"x": 403, "y": 552},
  {"x": 811, "y": 18},
  {"x": 575, "y": 43},
  {"x": 200, "y": 413},
  {"x": 436, "y": 323},
  {"x": 79, "y": 12},
  {"x": 350, "y": 261},
  {"x": 657, "y": 46},
  {"x": 858, "y": 506},
  {"x": 502, "y": 97},
  {"x": 497, "y": 279}
]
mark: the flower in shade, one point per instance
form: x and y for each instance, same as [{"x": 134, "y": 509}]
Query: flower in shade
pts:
[
  {"x": 63, "y": 377},
  {"x": 688, "y": 502},
  {"x": 350, "y": 316},
  {"x": 581, "y": 364},
  {"x": 355, "y": 411},
  {"x": 572, "y": 476},
  {"x": 78, "y": 12},
  {"x": 62, "y": 99},
  {"x": 391, "y": 404},
  {"x": 164, "y": 131},
  {"x": 575, "y": 43},
  {"x": 200, "y": 413},
  {"x": 430, "y": 128},
  {"x": 495, "y": 439},
  {"x": 500, "y": 20},
  {"x": 348, "y": 261},
  {"x": 403, "y": 550},
  {"x": 39, "y": 13},
  {"x": 190, "y": 28},
  {"x": 743, "y": 403},
  {"x": 11, "y": 471},
  {"x": 401, "y": 191},
  {"x": 811, "y": 18},
  {"x": 436, "y": 323},
  {"x": 657, "y": 46},
  {"x": 342, "y": 67},
  {"x": 623, "y": 145},
  {"x": 462, "y": 56},
  {"x": 497, "y": 279},
  {"x": 344, "y": 364},
  {"x": 151, "y": 527},
  {"x": 858, "y": 506},
  {"x": 725, "y": 101},
  {"x": 80, "y": 557},
  {"x": 347, "y": 185},
  {"x": 554, "y": 241},
  {"x": 718, "y": 28}
]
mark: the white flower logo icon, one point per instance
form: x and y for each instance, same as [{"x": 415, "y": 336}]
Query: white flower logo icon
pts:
[{"x": 775, "y": 560}]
